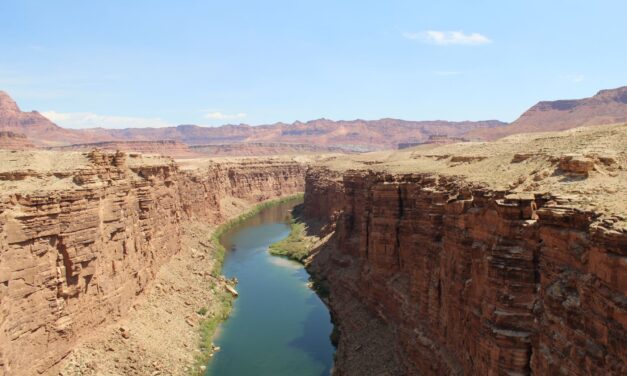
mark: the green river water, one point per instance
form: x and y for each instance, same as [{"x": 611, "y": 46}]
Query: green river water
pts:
[{"x": 278, "y": 326}]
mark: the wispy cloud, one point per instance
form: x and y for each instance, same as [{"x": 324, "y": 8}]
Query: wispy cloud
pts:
[
  {"x": 447, "y": 38},
  {"x": 447, "y": 73},
  {"x": 90, "y": 120},
  {"x": 217, "y": 115}
]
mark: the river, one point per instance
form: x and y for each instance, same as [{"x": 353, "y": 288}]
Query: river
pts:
[{"x": 278, "y": 326}]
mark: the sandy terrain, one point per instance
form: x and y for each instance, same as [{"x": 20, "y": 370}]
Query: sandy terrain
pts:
[
  {"x": 45, "y": 171},
  {"x": 586, "y": 167}
]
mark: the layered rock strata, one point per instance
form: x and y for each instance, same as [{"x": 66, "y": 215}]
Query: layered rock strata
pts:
[
  {"x": 82, "y": 239},
  {"x": 439, "y": 274},
  {"x": 14, "y": 141}
]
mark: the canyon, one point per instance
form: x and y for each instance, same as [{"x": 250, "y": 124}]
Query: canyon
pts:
[
  {"x": 502, "y": 257},
  {"x": 482, "y": 258},
  {"x": 83, "y": 235}
]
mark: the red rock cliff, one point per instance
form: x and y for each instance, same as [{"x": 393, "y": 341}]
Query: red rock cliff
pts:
[
  {"x": 80, "y": 240},
  {"x": 434, "y": 273},
  {"x": 472, "y": 282},
  {"x": 220, "y": 185}
]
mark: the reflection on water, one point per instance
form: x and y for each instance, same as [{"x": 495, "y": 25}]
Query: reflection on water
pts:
[
  {"x": 285, "y": 263},
  {"x": 278, "y": 326}
]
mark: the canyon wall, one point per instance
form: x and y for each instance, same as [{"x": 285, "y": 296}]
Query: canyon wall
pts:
[
  {"x": 221, "y": 186},
  {"x": 81, "y": 240},
  {"x": 434, "y": 275},
  {"x": 324, "y": 196}
]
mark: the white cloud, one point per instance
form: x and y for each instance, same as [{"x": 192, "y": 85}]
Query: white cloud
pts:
[
  {"x": 90, "y": 120},
  {"x": 217, "y": 115},
  {"x": 447, "y": 73},
  {"x": 446, "y": 38}
]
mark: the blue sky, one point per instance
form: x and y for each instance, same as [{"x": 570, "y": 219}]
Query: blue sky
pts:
[{"x": 137, "y": 63}]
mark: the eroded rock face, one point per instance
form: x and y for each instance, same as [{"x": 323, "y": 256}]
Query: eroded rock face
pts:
[
  {"x": 14, "y": 141},
  {"x": 217, "y": 185},
  {"x": 576, "y": 164},
  {"x": 324, "y": 196},
  {"x": 70, "y": 260},
  {"x": 78, "y": 257},
  {"x": 462, "y": 279}
]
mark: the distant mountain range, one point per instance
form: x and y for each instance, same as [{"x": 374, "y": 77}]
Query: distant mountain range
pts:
[
  {"x": 608, "y": 106},
  {"x": 355, "y": 135}
]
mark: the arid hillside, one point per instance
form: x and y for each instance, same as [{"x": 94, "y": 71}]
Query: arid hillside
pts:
[
  {"x": 606, "y": 107},
  {"x": 36, "y": 127}
]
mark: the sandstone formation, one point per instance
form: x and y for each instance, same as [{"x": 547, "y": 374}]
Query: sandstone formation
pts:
[
  {"x": 83, "y": 234},
  {"x": 160, "y": 333},
  {"x": 606, "y": 107},
  {"x": 14, "y": 141},
  {"x": 168, "y": 148},
  {"x": 212, "y": 188},
  {"x": 476, "y": 258}
]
